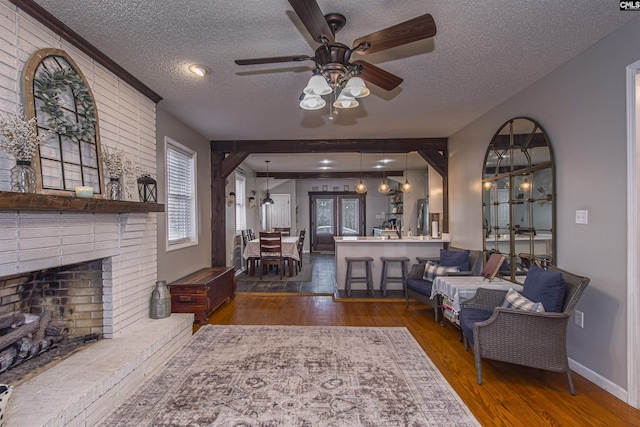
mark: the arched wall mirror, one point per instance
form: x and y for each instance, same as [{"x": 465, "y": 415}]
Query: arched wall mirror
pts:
[{"x": 518, "y": 198}]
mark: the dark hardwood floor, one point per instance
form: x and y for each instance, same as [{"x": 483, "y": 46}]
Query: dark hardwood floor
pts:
[{"x": 509, "y": 396}]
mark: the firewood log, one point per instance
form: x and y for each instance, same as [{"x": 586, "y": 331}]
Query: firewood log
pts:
[
  {"x": 18, "y": 333},
  {"x": 11, "y": 321},
  {"x": 7, "y": 357},
  {"x": 55, "y": 329},
  {"x": 44, "y": 322}
]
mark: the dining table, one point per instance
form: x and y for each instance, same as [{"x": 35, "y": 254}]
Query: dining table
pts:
[{"x": 289, "y": 252}]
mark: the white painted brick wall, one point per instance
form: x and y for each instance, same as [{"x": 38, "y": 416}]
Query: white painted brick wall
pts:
[{"x": 31, "y": 241}]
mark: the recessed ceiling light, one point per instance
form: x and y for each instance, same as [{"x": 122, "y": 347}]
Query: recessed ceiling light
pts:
[
  {"x": 325, "y": 167},
  {"x": 199, "y": 70},
  {"x": 326, "y": 161}
]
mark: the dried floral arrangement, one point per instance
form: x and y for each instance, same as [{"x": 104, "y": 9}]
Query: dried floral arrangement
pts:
[
  {"x": 20, "y": 136},
  {"x": 116, "y": 163}
]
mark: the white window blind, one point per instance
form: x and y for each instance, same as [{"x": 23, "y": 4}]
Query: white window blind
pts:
[
  {"x": 181, "y": 197},
  {"x": 241, "y": 203}
]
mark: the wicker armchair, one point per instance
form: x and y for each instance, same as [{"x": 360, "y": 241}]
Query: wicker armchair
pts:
[{"x": 527, "y": 338}]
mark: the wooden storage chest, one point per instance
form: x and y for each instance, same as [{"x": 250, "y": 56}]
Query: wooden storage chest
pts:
[{"x": 202, "y": 292}]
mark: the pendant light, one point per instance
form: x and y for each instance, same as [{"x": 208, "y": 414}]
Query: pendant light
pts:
[
  {"x": 267, "y": 200},
  {"x": 383, "y": 187},
  {"x": 406, "y": 187},
  {"x": 361, "y": 188}
]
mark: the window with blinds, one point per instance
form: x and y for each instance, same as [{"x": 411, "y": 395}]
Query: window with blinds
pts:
[
  {"x": 181, "y": 195},
  {"x": 241, "y": 204}
]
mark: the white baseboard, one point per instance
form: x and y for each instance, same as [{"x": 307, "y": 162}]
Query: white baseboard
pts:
[{"x": 599, "y": 380}]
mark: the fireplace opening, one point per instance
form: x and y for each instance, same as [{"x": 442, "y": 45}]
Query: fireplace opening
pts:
[{"x": 47, "y": 315}]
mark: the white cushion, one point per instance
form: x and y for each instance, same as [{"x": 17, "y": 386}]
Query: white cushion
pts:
[
  {"x": 513, "y": 299},
  {"x": 431, "y": 271}
]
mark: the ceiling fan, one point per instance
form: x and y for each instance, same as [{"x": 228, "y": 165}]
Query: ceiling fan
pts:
[{"x": 333, "y": 59}]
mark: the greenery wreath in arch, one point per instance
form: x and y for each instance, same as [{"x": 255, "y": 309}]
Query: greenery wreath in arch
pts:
[{"x": 48, "y": 85}]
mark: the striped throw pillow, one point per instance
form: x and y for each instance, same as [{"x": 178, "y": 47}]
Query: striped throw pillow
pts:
[
  {"x": 513, "y": 299},
  {"x": 431, "y": 270}
]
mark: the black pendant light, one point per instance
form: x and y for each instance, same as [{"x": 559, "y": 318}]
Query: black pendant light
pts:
[{"x": 267, "y": 200}]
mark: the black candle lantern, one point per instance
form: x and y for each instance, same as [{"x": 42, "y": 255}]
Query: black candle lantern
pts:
[{"x": 147, "y": 189}]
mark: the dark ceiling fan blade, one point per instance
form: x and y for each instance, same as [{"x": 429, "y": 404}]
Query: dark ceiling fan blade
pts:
[
  {"x": 311, "y": 16},
  {"x": 412, "y": 30},
  {"x": 378, "y": 76},
  {"x": 273, "y": 59}
]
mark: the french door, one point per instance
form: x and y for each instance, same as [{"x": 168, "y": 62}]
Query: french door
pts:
[{"x": 335, "y": 214}]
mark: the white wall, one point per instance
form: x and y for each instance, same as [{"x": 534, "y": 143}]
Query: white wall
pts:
[
  {"x": 178, "y": 263},
  {"x": 582, "y": 107}
]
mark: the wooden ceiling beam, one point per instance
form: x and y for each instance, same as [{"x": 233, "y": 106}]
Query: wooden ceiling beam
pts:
[
  {"x": 396, "y": 145},
  {"x": 327, "y": 175},
  {"x": 437, "y": 159},
  {"x": 232, "y": 161}
]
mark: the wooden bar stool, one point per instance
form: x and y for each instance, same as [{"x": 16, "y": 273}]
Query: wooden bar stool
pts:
[
  {"x": 367, "y": 278},
  {"x": 385, "y": 278}
]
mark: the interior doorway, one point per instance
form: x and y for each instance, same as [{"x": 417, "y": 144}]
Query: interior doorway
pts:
[{"x": 335, "y": 214}]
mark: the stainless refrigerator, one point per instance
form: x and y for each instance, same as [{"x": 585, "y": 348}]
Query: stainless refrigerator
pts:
[{"x": 423, "y": 217}]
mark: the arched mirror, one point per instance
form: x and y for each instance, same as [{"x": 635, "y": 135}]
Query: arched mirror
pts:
[{"x": 518, "y": 198}]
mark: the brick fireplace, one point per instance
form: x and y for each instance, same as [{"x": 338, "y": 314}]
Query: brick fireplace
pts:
[
  {"x": 77, "y": 248},
  {"x": 72, "y": 293}
]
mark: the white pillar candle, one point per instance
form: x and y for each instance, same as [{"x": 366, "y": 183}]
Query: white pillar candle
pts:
[{"x": 434, "y": 229}]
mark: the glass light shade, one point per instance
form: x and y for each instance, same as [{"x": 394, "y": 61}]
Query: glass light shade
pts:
[
  {"x": 384, "y": 187},
  {"x": 361, "y": 188},
  {"x": 525, "y": 185},
  {"x": 407, "y": 187},
  {"x": 267, "y": 200},
  {"x": 312, "y": 102},
  {"x": 345, "y": 101},
  {"x": 356, "y": 88},
  {"x": 317, "y": 86}
]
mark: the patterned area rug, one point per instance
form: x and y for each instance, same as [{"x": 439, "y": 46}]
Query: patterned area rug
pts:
[{"x": 296, "y": 376}]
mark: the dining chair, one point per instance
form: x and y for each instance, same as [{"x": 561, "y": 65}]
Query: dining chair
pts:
[
  {"x": 252, "y": 262},
  {"x": 271, "y": 251},
  {"x": 300, "y": 246},
  {"x": 285, "y": 231},
  {"x": 251, "y": 233}
]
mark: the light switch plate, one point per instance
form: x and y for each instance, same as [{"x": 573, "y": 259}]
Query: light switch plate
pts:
[{"x": 582, "y": 217}]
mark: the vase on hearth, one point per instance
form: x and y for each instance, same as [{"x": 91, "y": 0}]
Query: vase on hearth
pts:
[
  {"x": 114, "y": 189},
  {"x": 23, "y": 177}
]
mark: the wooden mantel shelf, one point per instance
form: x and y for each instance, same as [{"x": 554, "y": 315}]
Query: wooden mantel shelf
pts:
[{"x": 10, "y": 201}]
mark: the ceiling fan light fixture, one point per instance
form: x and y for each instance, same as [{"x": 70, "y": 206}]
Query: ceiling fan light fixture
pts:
[
  {"x": 356, "y": 88},
  {"x": 345, "y": 101},
  {"x": 317, "y": 86},
  {"x": 199, "y": 70},
  {"x": 312, "y": 102}
]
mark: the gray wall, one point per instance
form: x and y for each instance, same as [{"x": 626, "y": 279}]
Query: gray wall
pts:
[
  {"x": 181, "y": 262},
  {"x": 582, "y": 107}
]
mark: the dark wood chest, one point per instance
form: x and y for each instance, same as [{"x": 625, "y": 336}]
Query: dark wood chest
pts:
[{"x": 202, "y": 292}]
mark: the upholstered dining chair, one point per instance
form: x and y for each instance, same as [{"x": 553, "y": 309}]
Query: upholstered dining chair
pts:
[
  {"x": 517, "y": 335},
  {"x": 271, "y": 251}
]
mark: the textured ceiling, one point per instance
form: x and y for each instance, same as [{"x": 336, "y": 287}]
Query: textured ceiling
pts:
[{"x": 484, "y": 52}]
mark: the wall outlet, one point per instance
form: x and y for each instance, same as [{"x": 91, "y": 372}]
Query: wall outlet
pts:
[
  {"x": 579, "y": 318},
  {"x": 582, "y": 217}
]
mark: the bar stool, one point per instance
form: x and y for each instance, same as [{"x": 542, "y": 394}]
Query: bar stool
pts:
[
  {"x": 385, "y": 278},
  {"x": 424, "y": 259},
  {"x": 368, "y": 279}
]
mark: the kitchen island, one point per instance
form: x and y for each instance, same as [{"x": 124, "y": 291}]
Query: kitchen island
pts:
[{"x": 376, "y": 247}]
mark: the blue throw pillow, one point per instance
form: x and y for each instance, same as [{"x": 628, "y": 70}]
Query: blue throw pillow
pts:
[
  {"x": 458, "y": 259},
  {"x": 546, "y": 287}
]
